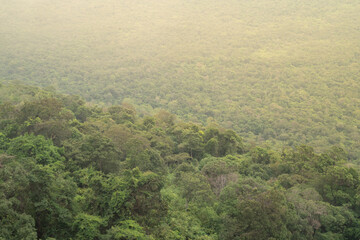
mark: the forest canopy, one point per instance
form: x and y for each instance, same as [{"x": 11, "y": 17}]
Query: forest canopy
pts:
[
  {"x": 179, "y": 120},
  {"x": 278, "y": 72},
  {"x": 74, "y": 170}
]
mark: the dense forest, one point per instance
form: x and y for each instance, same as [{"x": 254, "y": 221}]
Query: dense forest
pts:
[
  {"x": 180, "y": 120},
  {"x": 278, "y": 72},
  {"x": 75, "y": 170}
]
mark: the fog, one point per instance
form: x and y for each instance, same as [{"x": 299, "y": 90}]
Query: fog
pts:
[{"x": 257, "y": 65}]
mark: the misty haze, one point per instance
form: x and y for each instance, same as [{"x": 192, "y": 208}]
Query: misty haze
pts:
[{"x": 180, "y": 119}]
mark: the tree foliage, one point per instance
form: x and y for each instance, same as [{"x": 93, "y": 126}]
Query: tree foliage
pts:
[{"x": 118, "y": 175}]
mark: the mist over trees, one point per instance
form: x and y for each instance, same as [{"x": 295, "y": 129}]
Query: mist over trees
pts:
[
  {"x": 279, "y": 72},
  {"x": 180, "y": 119}
]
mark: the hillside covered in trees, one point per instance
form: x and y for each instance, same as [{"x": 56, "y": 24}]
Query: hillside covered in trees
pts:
[
  {"x": 180, "y": 120},
  {"x": 278, "y": 72},
  {"x": 74, "y": 170}
]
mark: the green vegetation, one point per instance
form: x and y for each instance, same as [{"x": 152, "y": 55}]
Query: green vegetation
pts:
[
  {"x": 278, "y": 72},
  {"x": 179, "y": 120},
  {"x": 72, "y": 170}
]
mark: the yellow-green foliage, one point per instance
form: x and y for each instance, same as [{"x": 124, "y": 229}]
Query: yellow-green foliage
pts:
[
  {"x": 282, "y": 71},
  {"x": 75, "y": 171}
]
